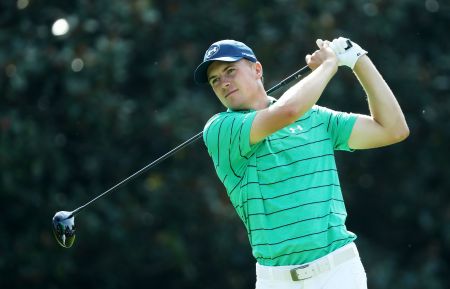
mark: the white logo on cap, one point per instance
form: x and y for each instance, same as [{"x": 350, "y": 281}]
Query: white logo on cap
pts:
[{"x": 211, "y": 51}]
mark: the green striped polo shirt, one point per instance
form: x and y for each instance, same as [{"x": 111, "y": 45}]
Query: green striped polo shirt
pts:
[{"x": 285, "y": 188}]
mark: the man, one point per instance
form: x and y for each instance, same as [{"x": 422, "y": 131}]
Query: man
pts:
[{"x": 276, "y": 160}]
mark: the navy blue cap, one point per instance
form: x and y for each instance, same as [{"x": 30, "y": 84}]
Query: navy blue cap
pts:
[{"x": 224, "y": 50}]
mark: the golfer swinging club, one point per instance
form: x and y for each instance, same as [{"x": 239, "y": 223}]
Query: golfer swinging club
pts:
[{"x": 276, "y": 160}]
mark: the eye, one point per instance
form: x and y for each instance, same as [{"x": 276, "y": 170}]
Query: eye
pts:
[
  {"x": 213, "y": 81},
  {"x": 231, "y": 70}
]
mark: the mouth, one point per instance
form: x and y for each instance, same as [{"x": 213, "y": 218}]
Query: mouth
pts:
[{"x": 231, "y": 92}]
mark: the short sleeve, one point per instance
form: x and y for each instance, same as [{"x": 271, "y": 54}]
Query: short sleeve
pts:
[
  {"x": 339, "y": 126},
  {"x": 227, "y": 138}
]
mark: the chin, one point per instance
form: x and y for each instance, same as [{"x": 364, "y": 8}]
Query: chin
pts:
[{"x": 236, "y": 104}]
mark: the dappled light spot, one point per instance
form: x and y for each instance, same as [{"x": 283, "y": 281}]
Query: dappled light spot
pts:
[
  {"x": 432, "y": 5},
  {"x": 77, "y": 65},
  {"x": 22, "y": 4},
  {"x": 60, "y": 27}
]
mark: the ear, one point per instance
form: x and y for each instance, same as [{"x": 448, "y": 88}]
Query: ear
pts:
[{"x": 259, "y": 69}]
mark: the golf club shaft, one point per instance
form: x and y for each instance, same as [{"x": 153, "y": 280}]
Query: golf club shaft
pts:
[
  {"x": 136, "y": 174},
  {"x": 296, "y": 75}
]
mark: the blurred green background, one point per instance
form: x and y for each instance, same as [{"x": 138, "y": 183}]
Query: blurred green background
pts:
[{"x": 91, "y": 91}]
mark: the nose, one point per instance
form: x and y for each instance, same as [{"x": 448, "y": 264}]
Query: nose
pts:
[{"x": 225, "y": 83}]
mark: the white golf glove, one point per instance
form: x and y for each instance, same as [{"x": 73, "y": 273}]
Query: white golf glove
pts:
[{"x": 347, "y": 51}]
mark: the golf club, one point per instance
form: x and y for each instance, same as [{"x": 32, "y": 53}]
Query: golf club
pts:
[{"x": 64, "y": 221}]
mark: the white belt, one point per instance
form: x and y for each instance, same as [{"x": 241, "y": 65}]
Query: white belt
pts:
[{"x": 308, "y": 270}]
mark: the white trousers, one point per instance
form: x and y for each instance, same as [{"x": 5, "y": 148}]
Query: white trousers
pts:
[{"x": 337, "y": 270}]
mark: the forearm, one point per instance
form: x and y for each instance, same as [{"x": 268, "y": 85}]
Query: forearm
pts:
[
  {"x": 293, "y": 103},
  {"x": 383, "y": 106},
  {"x": 303, "y": 95},
  {"x": 299, "y": 98}
]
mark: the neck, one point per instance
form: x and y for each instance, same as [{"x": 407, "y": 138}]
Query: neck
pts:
[
  {"x": 261, "y": 103},
  {"x": 262, "y": 100}
]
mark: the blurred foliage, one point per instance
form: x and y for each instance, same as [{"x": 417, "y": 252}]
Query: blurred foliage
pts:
[{"x": 81, "y": 111}]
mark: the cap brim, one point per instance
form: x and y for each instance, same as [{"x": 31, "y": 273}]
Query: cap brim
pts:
[{"x": 200, "y": 76}]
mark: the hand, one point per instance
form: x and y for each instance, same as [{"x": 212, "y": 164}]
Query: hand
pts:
[
  {"x": 324, "y": 54},
  {"x": 347, "y": 52}
]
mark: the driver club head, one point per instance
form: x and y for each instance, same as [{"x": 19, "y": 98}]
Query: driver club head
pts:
[{"x": 64, "y": 228}]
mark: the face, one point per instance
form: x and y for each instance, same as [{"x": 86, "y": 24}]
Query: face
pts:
[{"x": 235, "y": 83}]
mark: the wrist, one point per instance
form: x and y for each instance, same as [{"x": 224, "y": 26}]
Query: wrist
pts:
[
  {"x": 361, "y": 63},
  {"x": 331, "y": 63}
]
